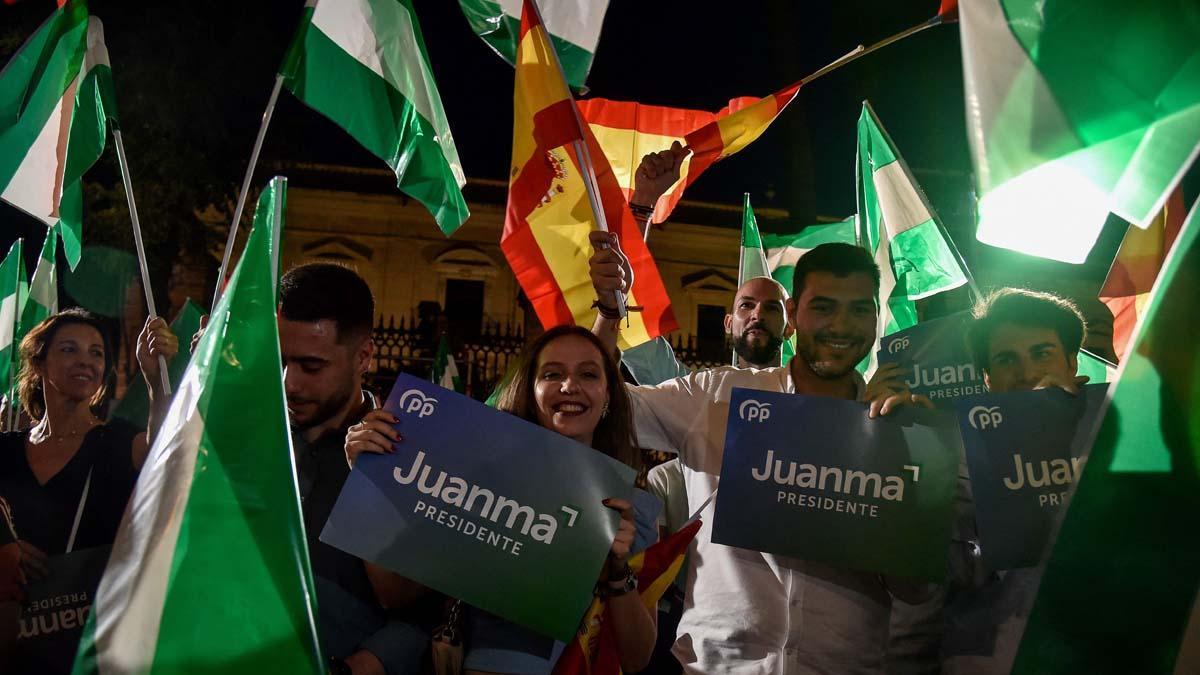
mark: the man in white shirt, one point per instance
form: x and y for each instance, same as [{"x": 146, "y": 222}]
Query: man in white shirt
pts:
[{"x": 749, "y": 612}]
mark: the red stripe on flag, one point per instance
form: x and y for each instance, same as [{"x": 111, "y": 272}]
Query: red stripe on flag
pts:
[
  {"x": 555, "y": 125},
  {"x": 646, "y": 119},
  {"x": 521, "y": 248}
]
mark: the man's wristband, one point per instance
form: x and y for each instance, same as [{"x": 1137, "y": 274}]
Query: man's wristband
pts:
[
  {"x": 625, "y": 583},
  {"x": 640, "y": 212}
]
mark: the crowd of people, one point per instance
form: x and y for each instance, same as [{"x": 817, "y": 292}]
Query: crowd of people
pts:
[{"x": 65, "y": 480}]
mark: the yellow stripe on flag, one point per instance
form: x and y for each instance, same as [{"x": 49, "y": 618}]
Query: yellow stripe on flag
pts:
[{"x": 745, "y": 126}]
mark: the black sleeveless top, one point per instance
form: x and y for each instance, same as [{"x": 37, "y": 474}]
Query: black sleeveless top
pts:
[{"x": 44, "y": 514}]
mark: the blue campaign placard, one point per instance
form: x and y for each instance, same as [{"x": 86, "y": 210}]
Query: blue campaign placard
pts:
[
  {"x": 815, "y": 478},
  {"x": 485, "y": 507},
  {"x": 56, "y": 609},
  {"x": 1025, "y": 451},
  {"x": 936, "y": 359}
]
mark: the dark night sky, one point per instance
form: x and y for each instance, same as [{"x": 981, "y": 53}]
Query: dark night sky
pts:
[{"x": 193, "y": 78}]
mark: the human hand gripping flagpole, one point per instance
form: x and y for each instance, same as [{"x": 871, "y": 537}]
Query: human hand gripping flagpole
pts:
[
  {"x": 141, "y": 249},
  {"x": 585, "y": 159}
]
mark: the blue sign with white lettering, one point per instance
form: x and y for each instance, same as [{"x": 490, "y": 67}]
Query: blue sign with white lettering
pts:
[
  {"x": 935, "y": 358},
  {"x": 1025, "y": 451},
  {"x": 815, "y": 478},
  {"x": 483, "y": 506}
]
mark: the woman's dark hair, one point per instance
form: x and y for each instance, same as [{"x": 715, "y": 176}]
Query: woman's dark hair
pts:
[
  {"x": 614, "y": 433},
  {"x": 1024, "y": 308},
  {"x": 36, "y": 344}
]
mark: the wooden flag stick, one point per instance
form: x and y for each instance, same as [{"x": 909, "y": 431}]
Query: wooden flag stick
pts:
[
  {"x": 141, "y": 249},
  {"x": 585, "y": 159},
  {"x": 241, "y": 201}
]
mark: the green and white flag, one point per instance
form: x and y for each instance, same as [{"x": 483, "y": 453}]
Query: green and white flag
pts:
[
  {"x": 1134, "y": 505},
  {"x": 752, "y": 261},
  {"x": 1075, "y": 111},
  {"x": 573, "y": 25},
  {"x": 14, "y": 291},
  {"x": 210, "y": 571},
  {"x": 268, "y": 215},
  {"x": 897, "y": 225},
  {"x": 56, "y": 97},
  {"x": 445, "y": 370},
  {"x": 783, "y": 250},
  {"x": 363, "y": 64},
  {"x": 43, "y": 287}
]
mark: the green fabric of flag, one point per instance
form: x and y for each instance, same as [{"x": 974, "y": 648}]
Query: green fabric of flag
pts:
[
  {"x": 14, "y": 291},
  {"x": 752, "y": 259},
  {"x": 1098, "y": 371},
  {"x": 43, "y": 286},
  {"x": 135, "y": 407},
  {"x": 573, "y": 25},
  {"x": 783, "y": 250},
  {"x": 363, "y": 64},
  {"x": 268, "y": 215},
  {"x": 1075, "y": 111},
  {"x": 445, "y": 370},
  {"x": 897, "y": 225},
  {"x": 58, "y": 85},
  {"x": 1123, "y": 575},
  {"x": 210, "y": 569}
]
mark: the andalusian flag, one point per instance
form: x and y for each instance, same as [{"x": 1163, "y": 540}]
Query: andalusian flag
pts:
[
  {"x": 629, "y": 131},
  {"x": 43, "y": 287},
  {"x": 56, "y": 97},
  {"x": 209, "y": 571},
  {"x": 1077, "y": 110},
  {"x": 898, "y": 226},
  {"x": 594, "y": 650},
  {"x": 752, "y": 260},
  {"x": 1122, "y": 577},
  {"x": 548, "y": 217},
  {"x": 445, "y": 370},
  {"x": 14, "y": 291},
  {"x": 784, "y": 250},
  {"x": 362, "y": 64},
  {"x": 1127, "y": 288},
  {"x": 573, "y": 26}
]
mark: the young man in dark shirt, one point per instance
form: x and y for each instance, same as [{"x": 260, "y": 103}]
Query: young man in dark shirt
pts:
[{"x": 365, "y": 613}]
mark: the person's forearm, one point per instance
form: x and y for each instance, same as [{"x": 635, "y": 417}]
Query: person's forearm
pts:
[
  {"x": 160, "y": 404},
  {"x": 607, "y": 330},
  {"x": 636, "y": 630}
]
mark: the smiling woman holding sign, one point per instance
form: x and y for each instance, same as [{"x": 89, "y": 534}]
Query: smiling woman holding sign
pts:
[{"x": 566, "y": 383}]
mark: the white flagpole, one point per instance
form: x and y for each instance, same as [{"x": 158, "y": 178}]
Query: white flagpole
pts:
[
  {"x": 585, "y": 158},
  {"x": 13, "y": 359},
  {"x": 141, "y": 249},
  {"x": 241, "y": 202}
]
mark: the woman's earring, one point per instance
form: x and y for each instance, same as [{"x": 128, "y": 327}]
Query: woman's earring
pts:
[{"x": 604, "y": 410}]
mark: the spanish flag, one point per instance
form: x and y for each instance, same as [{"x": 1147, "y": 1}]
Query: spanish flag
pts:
[
  {"x": 628, "y": 131},
  {"x": 1138, "y": 261},
  {"x": 594, "y": 650},
  {"x": 549, "y": 216}
]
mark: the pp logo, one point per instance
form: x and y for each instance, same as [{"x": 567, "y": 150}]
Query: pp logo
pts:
[
  {"x": 982, "y": 417},
  {"x": 415, "y": 400},
  {"x": 751, "y": 410},
  {"x": 898, "y": 345}
]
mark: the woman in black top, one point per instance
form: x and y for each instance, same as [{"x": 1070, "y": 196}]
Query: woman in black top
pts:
[{"x": 68, "y": 478}]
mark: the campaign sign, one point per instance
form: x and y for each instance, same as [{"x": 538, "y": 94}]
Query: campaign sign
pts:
[
  {"x": 56, "y": 609},
  {"x": 936, "y": 359},
  {"x": 1025, "y": 451},
  {"x": 814, "y": 478},
  {"x": 485, "y": 507}
]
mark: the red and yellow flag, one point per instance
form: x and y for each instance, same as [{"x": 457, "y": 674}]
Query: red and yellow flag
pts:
[
  {"x": 549, "y": 216},
  {"x": 1138, "y": 261},
  {"x": 594, "y": 650},
  {"x": 628, "y": 131}
]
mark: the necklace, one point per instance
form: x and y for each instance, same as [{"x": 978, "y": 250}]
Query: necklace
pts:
[{"x": 62, "y": 437}]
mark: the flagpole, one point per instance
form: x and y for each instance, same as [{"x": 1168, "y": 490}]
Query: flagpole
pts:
[
  {"x": 241, "y": 202},
  {"x": 12, "y": 416},
  {"x": 141, "y": 248},
  {"x": 585, "y": 158}
]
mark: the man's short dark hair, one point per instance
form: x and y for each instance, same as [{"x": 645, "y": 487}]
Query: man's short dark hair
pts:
[
  {"x": 1023, "y": 307},
  {"x": 318, "y": 291},
  {"x": 840, "y": 260}
]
